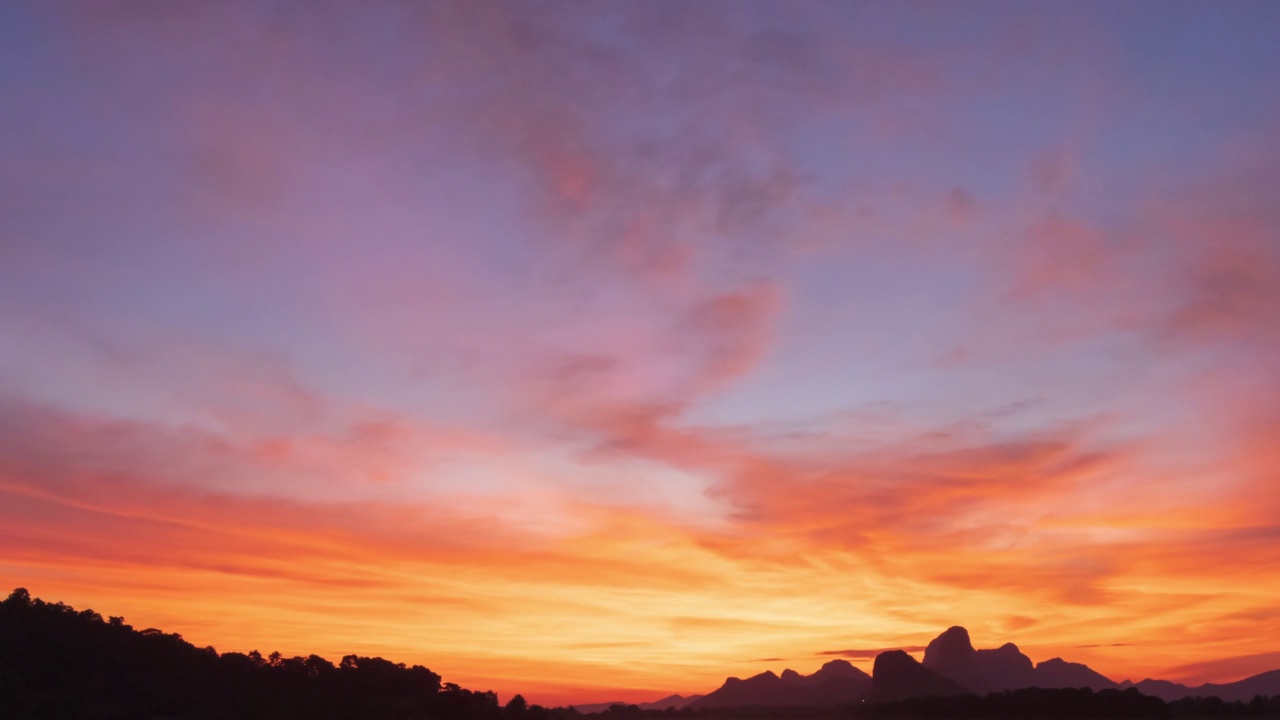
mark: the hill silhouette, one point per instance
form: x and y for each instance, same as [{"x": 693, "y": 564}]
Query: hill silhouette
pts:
[
  {"x": 835, "y": 683},
  {"x": 898, "y": 676},
  {"x": 670, "y": 701},
  {"x": 58, "y": 663},
  {"x": 1265, "y": 684},
  {"x": 1058, "y": 673}
]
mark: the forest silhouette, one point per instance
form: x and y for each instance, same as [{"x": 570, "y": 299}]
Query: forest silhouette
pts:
[{"x": 57, "y": 662}]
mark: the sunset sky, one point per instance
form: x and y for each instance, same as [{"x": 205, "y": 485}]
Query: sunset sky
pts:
[{"x": 601, "y": 350}]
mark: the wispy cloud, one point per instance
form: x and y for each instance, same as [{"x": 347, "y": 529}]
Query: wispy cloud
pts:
[{"x": 864, "y": 654}]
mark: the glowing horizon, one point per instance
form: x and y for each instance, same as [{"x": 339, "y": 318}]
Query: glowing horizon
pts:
[{"x": 600, "y": 351}]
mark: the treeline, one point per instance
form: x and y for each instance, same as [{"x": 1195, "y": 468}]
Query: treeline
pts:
[
  {"x": 1029, "y": 704},
  {"x": 58, "y": 663},
  {"x": 1065, "y": 704},
  {"x": 1025, "y": 704}
]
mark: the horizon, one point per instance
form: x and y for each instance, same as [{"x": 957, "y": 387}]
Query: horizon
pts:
[
  {"x": 860, "y": 659},
  {"x": 917, "y": 652},
  {"x": 600, "y": 350}
]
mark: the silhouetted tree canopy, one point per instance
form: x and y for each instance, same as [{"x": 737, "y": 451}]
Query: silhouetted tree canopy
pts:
[
  {"x": 1024, "y": 704},
  {"x": 58, "y": 663}
]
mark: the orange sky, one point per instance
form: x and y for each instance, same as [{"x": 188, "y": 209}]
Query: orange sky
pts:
[{"x": 601, "y": 353}]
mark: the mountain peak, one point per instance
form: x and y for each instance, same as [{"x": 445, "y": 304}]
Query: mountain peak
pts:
[
  {"x": 950, "y": 649},
  {"x": 951, "y": 666},
  {"x": 892, "y": 659},
  {"x": 838, "y": 668},
  {"x": 1058, "y": 673},
  {"x": 953, "y": 656},
  {"x": 837, "y": 683},
  {"x": 897, "y": 676}
]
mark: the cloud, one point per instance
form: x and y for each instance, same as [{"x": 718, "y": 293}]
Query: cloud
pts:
[
  {"x": 730, "y": 330},
  {"x": 1225, "y": 669},
  {"x": 870, "y": 654},
  {"x": 708, "y": 187},
  {"x": 1052, "y": 171},
  {"x": 1107, "y": 645},
  {"x": 137, "y": 499}
]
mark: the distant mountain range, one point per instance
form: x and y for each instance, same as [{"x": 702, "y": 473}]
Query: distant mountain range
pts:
[
  {"x": 670, "y": 701},
  {"x": 951, "y": 667},
  {"x": 1266, "y": 684},
  {"x": 836, "y": 683}
]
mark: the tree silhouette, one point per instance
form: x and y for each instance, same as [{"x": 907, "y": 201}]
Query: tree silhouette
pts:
[{"x": 57, "y": 663}]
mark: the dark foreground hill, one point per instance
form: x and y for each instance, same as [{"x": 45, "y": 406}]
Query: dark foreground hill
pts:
[{"x": 58, "y": 663}]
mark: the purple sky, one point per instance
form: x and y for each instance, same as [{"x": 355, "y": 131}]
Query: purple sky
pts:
[{"x": 693, "y": 321}]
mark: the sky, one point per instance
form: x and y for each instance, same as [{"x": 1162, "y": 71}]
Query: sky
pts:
[{"x": 599, "y": 351}]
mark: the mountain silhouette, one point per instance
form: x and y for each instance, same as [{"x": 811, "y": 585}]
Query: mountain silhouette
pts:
[
  {"x": 898, "y": 676},
  {"x": 951, "y": 667},
  {"x": 952, "y": 656},
  {"x": 835, "y": 669},
  {"x": 1266, "y": 684},
  {"x": 835, "y": 683},
  {"x": 1058, "y": 673},
  {"x": 670, "y": 701}
]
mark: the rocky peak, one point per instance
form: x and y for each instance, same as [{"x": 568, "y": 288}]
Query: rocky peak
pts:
[
  {"x": 896, "y": 676},
  {"x": 891, "y": 660},
  {"x": 952, "y": 655},
  {"x": 951, "y": 649},
  {"x": 838, "y": 668}
]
